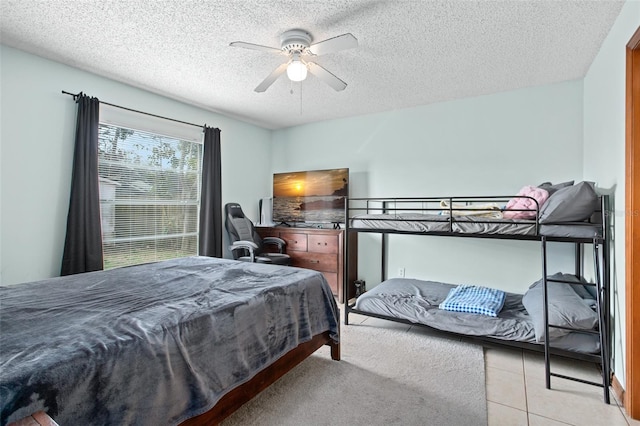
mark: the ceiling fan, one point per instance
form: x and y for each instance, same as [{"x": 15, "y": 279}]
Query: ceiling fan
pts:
[{"x": 296, "y": 45}]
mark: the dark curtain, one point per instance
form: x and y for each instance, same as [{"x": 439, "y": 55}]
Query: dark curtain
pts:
[
  {"x": 83, "y": 242},
  {"x": 211, "y": 197}
]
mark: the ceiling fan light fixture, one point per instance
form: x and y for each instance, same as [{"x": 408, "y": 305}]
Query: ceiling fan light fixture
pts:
[
  {"x": 296, "y": 44},
  {"x": 296, "y": 70}
]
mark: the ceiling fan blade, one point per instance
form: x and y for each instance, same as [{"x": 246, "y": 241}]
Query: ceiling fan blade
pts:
[
  {"x": 255, "y": 47},
  {"x": 335, "y": 44},
  {"x": 271, "y": 78},
  {"x": 326, "y": 76}
]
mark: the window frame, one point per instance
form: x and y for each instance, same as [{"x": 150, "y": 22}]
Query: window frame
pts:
[{"x": 175, "y": 133}]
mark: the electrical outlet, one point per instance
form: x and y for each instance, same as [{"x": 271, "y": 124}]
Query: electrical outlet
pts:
[{"x": 401, "y": 272}]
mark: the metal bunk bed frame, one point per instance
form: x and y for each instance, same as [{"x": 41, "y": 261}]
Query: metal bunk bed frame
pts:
[{"x": 601, "y": 261}]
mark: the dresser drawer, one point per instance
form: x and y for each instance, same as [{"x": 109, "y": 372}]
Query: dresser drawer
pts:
[
  {"x": 321, "y": 250},
  {"x": 295, "y": 241},
  {"x": 318, "y": 261},
  {"x": 323, "y": 243}
]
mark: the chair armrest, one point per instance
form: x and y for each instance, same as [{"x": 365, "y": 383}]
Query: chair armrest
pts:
[
  {"x": 247, "y": 245},
  {"x": 277, "y": 241}
]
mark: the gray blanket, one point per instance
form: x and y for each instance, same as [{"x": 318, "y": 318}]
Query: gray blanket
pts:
[
  {"x": 417, "y": 301},
  {"x": 151, "y": 344}
]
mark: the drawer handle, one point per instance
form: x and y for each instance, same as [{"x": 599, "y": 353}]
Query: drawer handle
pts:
[
  {"x": 321, "y": 244},
  {"x": 314, "y": 261}
]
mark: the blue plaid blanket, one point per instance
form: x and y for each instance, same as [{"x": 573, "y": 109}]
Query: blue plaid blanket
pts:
[{"x": 474, "y": 299}]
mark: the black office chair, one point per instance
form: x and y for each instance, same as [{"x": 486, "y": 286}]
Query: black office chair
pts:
[{"x": 246, "y": 244}]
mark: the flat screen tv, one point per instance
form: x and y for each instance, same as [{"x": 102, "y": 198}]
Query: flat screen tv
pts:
[{"x": 315, "y": 196}]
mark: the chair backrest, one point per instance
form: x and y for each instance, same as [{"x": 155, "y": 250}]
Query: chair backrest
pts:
[{"x": 239, "y": 227}]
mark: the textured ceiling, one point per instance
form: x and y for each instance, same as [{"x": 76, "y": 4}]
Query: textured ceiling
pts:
[{"x": 410, "y": 52}]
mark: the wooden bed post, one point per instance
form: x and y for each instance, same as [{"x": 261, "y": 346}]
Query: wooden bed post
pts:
[{"x": 335, "y": 346}]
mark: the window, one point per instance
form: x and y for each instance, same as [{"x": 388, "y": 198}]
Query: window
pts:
[{"x": 149, "y": 195}]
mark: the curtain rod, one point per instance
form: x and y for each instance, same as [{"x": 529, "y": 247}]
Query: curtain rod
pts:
[{"x": 77, "y": 95}]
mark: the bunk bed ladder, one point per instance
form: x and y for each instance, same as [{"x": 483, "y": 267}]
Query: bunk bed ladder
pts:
[
  {"x": 602, "y": 303},
  {"x": 601, "y": 310}
]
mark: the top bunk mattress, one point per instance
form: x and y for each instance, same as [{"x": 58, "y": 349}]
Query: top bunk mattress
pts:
[
  {"x": 563, "y": 211},
  {"x": 416, "y": 222},
  {"x": 433, "y": 223}
]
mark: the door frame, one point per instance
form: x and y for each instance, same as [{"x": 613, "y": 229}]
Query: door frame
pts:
[{"x": 632, "y": 227}]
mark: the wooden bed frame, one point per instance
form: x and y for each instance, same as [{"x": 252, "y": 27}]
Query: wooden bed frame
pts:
[
  {"x": 233, "y": 400},
  {"x": 243, "y": 393}
]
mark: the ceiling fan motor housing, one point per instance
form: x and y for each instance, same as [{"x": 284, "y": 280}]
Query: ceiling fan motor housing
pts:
[{"x": 295, "y": 41}]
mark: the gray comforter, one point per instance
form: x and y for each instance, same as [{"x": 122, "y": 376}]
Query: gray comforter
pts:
[
  {"x": 151, "y": 344},
  {"x": 417, "y": 301}
]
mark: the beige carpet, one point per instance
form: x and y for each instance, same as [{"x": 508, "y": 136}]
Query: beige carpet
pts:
[{"x": 386, "y": 377}]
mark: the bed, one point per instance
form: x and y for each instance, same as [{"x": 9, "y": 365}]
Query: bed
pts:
[
  {"x": 426, "y": 223},
  {"x": 570, "y": 212},
  {"x": 564, "y": 212},
  {"x": 419, "y": 302},
  {"x": 160, "y": 343}
]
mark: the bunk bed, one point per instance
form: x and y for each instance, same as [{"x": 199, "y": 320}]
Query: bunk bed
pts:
[
  {"x": 183, "y": 341},
  {"x": 573, "y": 312}
]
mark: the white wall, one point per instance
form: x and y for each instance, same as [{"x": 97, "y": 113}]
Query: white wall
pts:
[
  {"x": 37, "y": 137},
  {"x": 489, "y": 145},
  {"x": 604, "y": 150}
]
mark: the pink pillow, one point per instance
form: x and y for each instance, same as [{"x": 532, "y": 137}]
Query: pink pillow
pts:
[{"x": 539, "y": 194}]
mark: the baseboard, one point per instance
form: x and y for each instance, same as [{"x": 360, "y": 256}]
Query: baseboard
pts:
[{"x": 617, "y": 389}]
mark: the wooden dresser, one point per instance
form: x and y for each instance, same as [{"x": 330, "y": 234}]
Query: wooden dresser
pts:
[{"x": 321, "y": 250}]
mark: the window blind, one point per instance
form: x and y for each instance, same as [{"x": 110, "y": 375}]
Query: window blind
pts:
[{"x": 149, "y": 195}]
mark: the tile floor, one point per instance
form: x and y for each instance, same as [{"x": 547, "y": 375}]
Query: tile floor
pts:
[{"x": 516, "y": 392}]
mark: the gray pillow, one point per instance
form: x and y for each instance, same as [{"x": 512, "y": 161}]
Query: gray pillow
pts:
[
  {"x": 582, "y": 291},
  {"x": 586, "y": 292},
  {"x": 570, "y": 204},
  {"x": 551, "y": 188},
  {"x": 566, "y": 308}
]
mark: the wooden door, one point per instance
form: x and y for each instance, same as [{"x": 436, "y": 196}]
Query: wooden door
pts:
[{"x": 632, "y": 222}]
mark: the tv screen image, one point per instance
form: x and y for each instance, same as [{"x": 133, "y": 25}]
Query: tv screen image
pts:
[{"x": 315, "y": 196}]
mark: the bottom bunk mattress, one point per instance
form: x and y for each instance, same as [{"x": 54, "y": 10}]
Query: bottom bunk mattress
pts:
[
  {"x": 151, "y": 344},
  {"x": 418, "y": 301}
]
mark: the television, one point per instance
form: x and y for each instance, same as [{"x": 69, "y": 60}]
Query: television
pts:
[{"x": 315, "y": 196}]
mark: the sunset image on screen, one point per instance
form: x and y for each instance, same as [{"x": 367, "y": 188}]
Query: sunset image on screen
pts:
[
  {"x": 316, "y": 196},
  {"x": 309, "y": 184}
]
